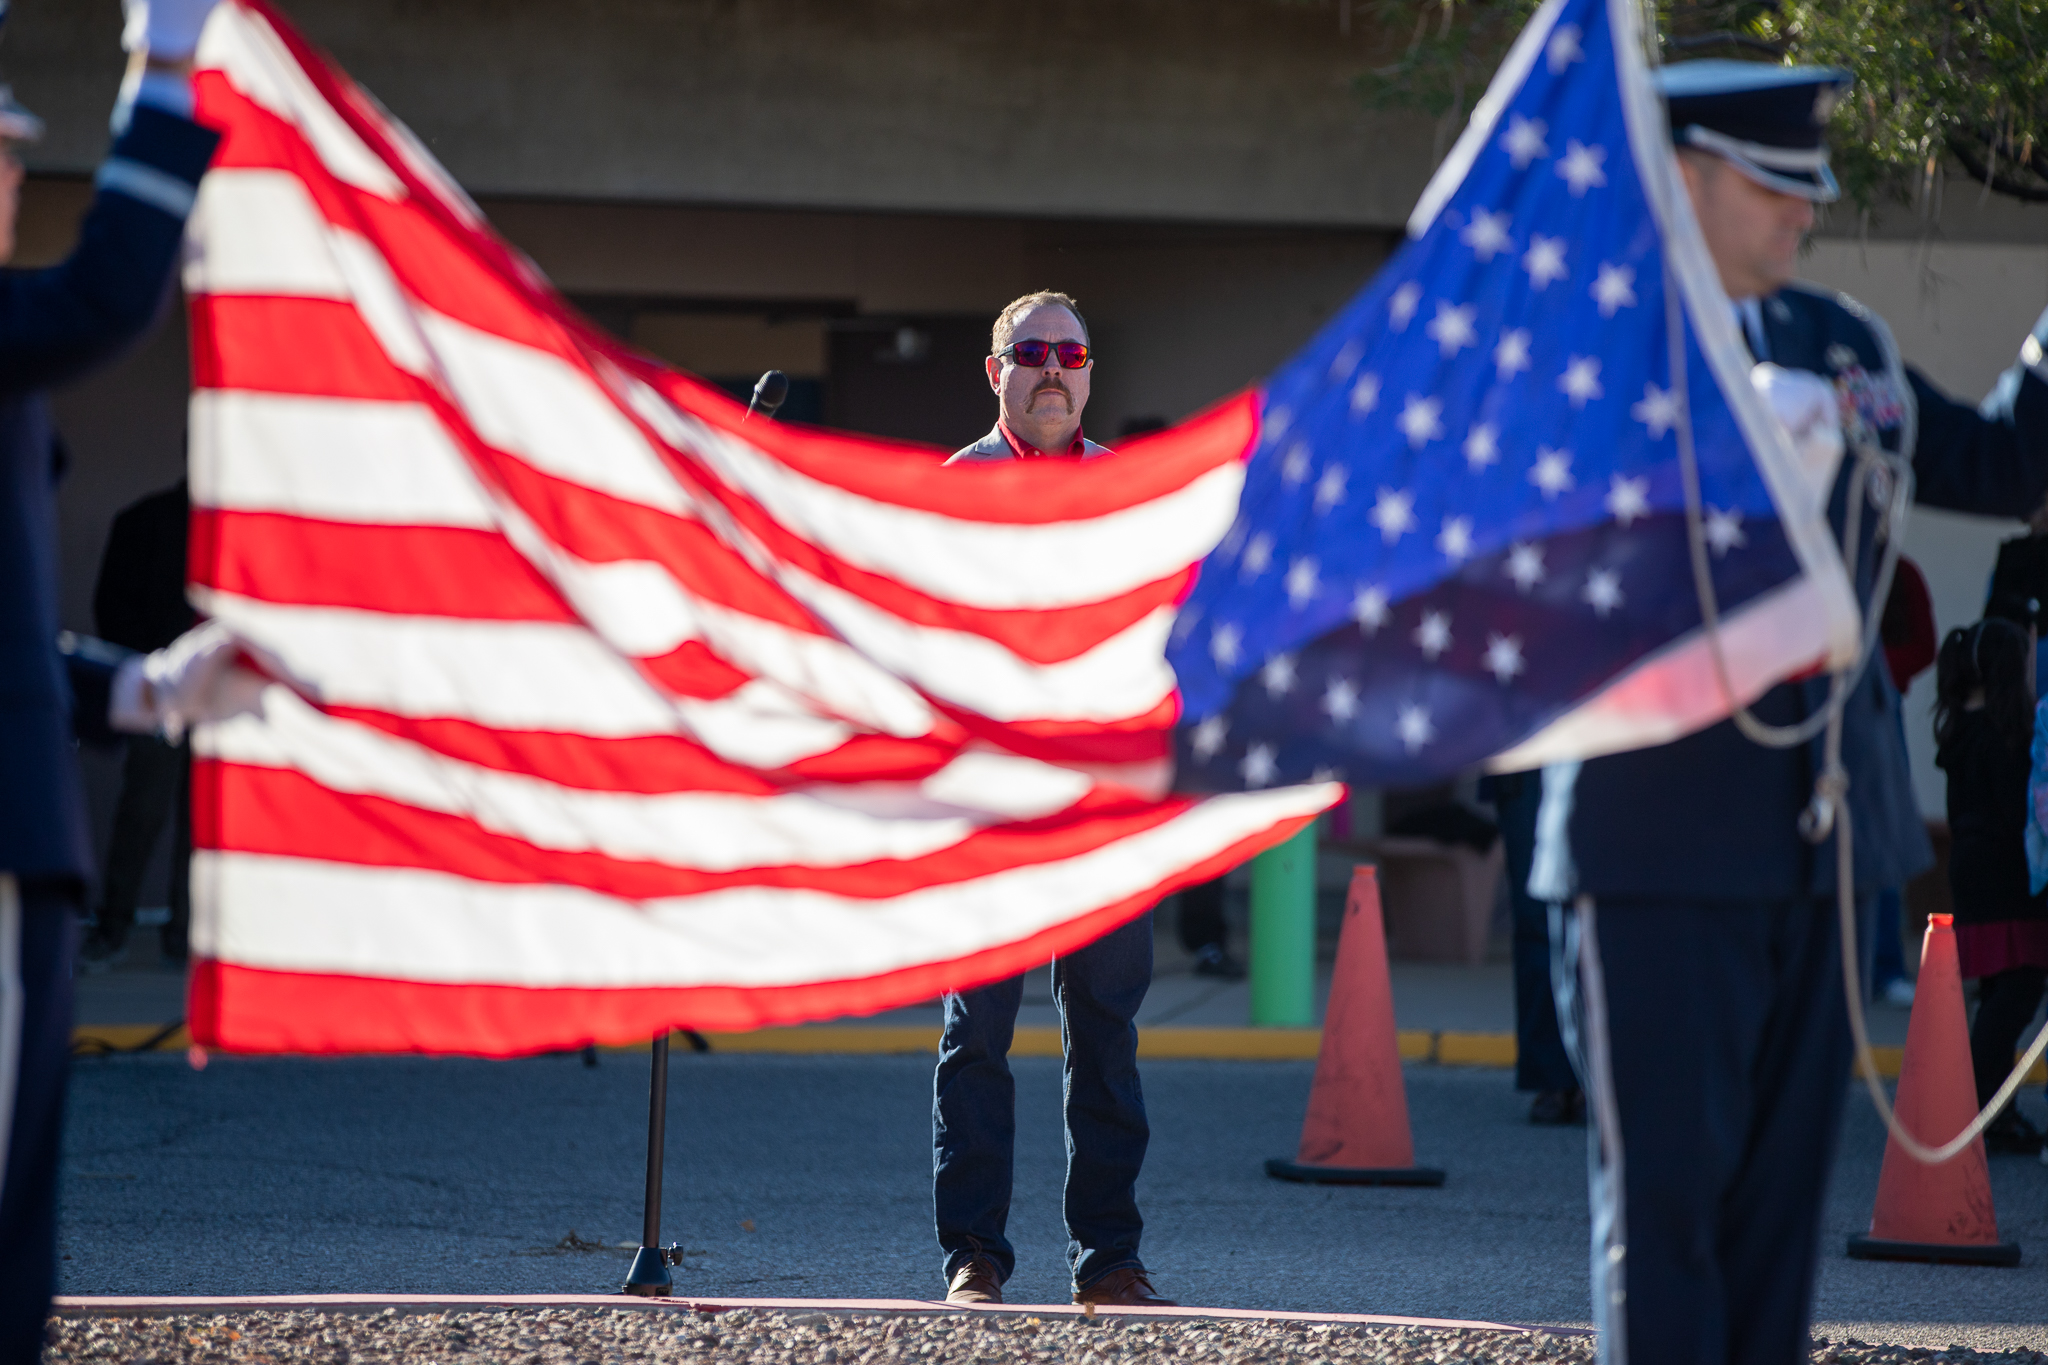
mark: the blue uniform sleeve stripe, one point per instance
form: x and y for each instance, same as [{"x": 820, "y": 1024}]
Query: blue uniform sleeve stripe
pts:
[{"x": 146, "y": 184}]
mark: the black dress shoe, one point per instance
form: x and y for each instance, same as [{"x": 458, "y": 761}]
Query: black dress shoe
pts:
[
  {"x": 1558, "y": 1108},
  {"x": 1211, "y": 959},
  {"x": 101, "y": 951},
  {"x": 2010, "y": 1132}
]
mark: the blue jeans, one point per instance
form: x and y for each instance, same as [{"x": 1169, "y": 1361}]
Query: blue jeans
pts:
[{"x": 974, "y": 1110}]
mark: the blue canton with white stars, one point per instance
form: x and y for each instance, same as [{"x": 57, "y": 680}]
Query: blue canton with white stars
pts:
[{"x": 1464, "y": 515}]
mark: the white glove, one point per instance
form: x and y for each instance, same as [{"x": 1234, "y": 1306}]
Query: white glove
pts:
[
  {"x": 2031, "y": 350},
  {"x": 167, "y": 30},
  {"x": 1811, "y": 411},
  {"x": 168, "y": 690}
]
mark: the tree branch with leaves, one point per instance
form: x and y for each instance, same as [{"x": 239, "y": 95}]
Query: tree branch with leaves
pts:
[{"x": 1942, "y": 86}]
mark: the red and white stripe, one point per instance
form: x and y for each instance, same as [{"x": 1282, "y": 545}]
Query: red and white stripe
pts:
[{"x": 574, "y": 709}]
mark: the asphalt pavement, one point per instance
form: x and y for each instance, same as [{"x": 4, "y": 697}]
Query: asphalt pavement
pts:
[{"x": 810, "y": 1176}]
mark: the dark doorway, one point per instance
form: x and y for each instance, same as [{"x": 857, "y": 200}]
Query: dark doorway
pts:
[
  {"x": 805, "y": 403},
  {"x": 912, "y": 378},
  {"x": 729, "y": 342}
]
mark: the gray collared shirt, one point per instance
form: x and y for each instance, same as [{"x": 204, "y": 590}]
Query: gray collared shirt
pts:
[{"x": 995, "y": 446}]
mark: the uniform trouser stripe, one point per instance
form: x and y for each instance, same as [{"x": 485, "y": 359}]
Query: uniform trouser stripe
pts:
[
  {"x": 11, "y": 1005},
  {"x": 1579, "y": 985}
]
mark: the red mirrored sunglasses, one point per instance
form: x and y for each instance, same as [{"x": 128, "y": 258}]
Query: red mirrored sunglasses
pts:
[{"x": 1032, "y": 354}]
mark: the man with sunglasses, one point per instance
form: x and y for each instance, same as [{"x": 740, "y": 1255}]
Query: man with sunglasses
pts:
[{"x": 1039, "y": 366}]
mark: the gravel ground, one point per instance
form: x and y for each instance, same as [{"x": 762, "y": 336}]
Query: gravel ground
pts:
[{"x": 598, "y": 1336}]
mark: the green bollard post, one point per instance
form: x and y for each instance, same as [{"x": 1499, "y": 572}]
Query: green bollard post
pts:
[{"x": 1283, "y": 934}]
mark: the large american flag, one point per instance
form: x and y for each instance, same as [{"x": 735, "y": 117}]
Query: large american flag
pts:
[
  {"x": 572, "y": 708},
  {"x": 1463, "y": 537}
]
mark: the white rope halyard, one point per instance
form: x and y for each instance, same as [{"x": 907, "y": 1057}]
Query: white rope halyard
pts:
[{"x": 1887, "y": 479}]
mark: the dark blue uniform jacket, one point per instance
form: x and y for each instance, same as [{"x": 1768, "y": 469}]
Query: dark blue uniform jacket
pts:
[
  {"x": 55, "y": 325},
  {"x": 1715, "y": 815}
]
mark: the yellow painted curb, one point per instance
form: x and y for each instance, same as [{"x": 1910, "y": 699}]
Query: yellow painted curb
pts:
[
  {"x": 1041, "y": 1040},
  {"x": 1475, "y": 1049},
  {"x": 128, "y": 1038},
  {"x": 850, "y": 1039},
  {"x": 1231, "y": 1044},
  {"x": 874, "y": 1040},
  {"x": 1189, "y": 1044},
  {"x": 1446, "y": 1048}
]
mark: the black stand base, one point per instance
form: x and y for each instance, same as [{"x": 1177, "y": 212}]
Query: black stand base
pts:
[
  {"x": 649, "y": 1276},
  {"x": 1353, "y": 1175},
  {"x": 1878, "y": 1249}
]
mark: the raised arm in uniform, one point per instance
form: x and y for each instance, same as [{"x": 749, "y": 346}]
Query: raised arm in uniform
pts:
[{"x": 57, "y": 324}]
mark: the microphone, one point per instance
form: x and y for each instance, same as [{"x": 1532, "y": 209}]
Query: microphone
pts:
[{"x": 769, "y": 392}]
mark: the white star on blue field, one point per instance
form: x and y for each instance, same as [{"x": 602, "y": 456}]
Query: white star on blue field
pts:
[{"x": 1464, "y": 515}]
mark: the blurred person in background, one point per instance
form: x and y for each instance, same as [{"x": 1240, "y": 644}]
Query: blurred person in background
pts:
[
  {"x": 139, "y": 603},
  {"x": 2021, "y": 577},
  {"x": 1984, "y": 730},
  {"x": 1205, "y": 933},
  {"x": 1909, "y": 636},
  {"x": 1541, "y": 1063}
]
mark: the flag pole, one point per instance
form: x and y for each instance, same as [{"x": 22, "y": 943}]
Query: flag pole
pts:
[{"x": 649, "y": 1276}]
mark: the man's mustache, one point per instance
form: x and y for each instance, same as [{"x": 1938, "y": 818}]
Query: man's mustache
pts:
[{"x": 1053, "y": 386}]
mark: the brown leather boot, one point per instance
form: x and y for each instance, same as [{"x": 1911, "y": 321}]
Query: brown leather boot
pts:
[
  {"x": 1128, "y": 1288},
  {"x": 975, "y": 1282}
]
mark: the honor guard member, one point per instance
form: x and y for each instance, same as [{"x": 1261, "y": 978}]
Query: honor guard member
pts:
[
  {"x": 1715, "y": 1029},
  {"x": 57, "y": 324},
  {"x": 1040, "y": 366}
]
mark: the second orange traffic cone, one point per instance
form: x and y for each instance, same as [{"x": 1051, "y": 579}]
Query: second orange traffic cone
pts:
[
  {"x": 1356, "y": 1132},
  {"x": 1936, "y": 1213}
]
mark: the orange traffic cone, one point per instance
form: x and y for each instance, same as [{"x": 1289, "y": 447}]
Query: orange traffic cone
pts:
[
  {"x": 1936, "y": 1213},
  {"x": 1356, "y": 1132}
]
